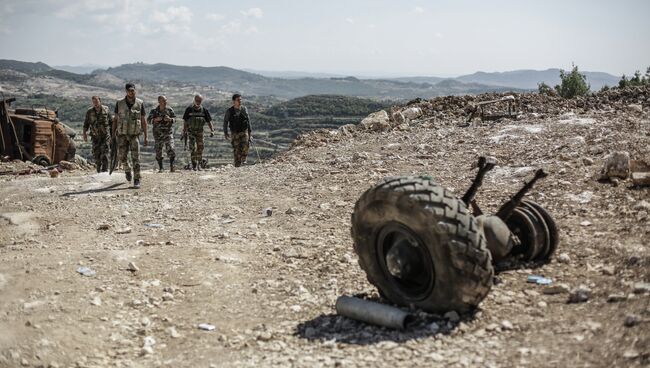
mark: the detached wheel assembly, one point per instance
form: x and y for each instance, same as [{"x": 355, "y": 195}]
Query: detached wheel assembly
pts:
[{"x": 421, "y": 247}]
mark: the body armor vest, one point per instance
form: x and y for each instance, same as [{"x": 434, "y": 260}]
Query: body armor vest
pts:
[{"x": 128, "y": 119}]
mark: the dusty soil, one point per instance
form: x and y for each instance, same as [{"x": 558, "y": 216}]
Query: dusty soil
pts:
[{"x": 206, "y": 254}]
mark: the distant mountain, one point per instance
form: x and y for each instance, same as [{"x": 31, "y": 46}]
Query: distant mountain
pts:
[
  {"x": 80, "y": 69},
  {"x": 227, "y": 80},
  {"x": 528, "y": 79},
  {"x": 431, "y": 80},
  {"x": 288, "y": 74},
  {"x": 188, "y": 74},
  {"x": 24, "y": 66}
]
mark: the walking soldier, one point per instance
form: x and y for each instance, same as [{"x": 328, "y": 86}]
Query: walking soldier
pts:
[
  {"x": 162, "y": 119},
  {"x": 194, "y": 119},
  {"x": 98, "y": 120},
  {"x": 129, "y": 122}
]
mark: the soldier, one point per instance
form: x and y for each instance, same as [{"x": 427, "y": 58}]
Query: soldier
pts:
[
  {"x": 162, "y": 119},
  {"x": 128, "y": 123},
  {"x": 194, "y": 119},
  {"x": 98, "y": 120},
  {"x": 237, "y": 120}
]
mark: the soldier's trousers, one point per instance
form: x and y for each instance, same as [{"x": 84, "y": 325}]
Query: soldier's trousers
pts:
[
  {"x": 126, "y": 143},
  {"x": 240, "y": 147},
  {"x": 100, "y": 152},
  {"x": 164, "y": 142},
  {"x": 196, "y": 146}
]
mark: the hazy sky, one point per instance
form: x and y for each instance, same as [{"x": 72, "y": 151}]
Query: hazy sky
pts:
[{"x": 381, "y": 37}]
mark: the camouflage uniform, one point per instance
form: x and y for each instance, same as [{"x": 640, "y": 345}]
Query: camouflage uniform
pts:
[
  {"x": 128, "y": 134},
  {"x": 240, "y": 143},
  {"x": 99, "y": 125},
  {"x": 240, "y": 127},
  {"x": 163, "y": 135},
  {"x": 196, "y": 120}
]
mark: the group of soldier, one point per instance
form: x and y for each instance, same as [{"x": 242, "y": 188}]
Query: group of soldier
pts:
[{"x": 129, "y": 121}]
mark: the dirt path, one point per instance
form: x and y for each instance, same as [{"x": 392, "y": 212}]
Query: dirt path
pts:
[{"x": 206, "y": 254}]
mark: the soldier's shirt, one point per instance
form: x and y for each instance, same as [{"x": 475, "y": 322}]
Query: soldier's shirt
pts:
[
  {"x": 190, "y": 109},
  {"x": 92, "y": 116},
  {"x": 130, "y": 104},
  {"x": 162, "y": 127}
]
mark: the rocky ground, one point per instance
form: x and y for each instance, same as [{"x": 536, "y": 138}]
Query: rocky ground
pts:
[{"x": 195, "y": 248}]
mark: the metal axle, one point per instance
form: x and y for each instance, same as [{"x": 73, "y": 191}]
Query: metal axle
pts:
[{"x": 373, "y": 313}]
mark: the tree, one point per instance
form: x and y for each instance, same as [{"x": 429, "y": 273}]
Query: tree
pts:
[
  {"x": 572, "y": 84},
  {"x": 544, "y": 89},
  {"x": 636, "y": 80},
  {"x": 624, "y": 82}
]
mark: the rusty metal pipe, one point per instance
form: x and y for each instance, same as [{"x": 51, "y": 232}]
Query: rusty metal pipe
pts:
[
  {"x": 485, "y": 164},
  {"x": 372, "y": 312},
  {"x": 506, "y": 210}
]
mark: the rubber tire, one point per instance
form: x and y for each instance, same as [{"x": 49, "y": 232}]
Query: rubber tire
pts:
[
  {"x": 522, "y": 223},
  {"x": 41, "y": 160},
  {"x": 462, "y": 264},
  {"x": 554, "y": 233}
]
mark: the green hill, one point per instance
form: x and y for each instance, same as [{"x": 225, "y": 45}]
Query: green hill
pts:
[{"x": 325, "y": 105}]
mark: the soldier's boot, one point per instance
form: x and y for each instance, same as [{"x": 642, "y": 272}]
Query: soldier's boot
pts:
[
  {"x": 193, "y": 165},
  {"x": 171, "y": 165},
  {"x": 128, "y": 176},
  {"x": 99, "y": 168},
  {"x": 136, "y": 184},
  {"x": 198, "y": 165},
  {"x": 160, "y": 165}
]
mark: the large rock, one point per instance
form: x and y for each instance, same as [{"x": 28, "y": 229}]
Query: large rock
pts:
[
  {"x": 398, "y": 118},
  {"x": 377, "y": 121},
  {"x": 347, "y": 129},
  {"x": 617, "y": 165},
  {"x": 412, "y": 113}
]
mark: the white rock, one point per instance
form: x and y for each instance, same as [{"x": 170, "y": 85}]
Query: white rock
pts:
[
  {"x": 206, "y": 327},
  {"x": 412, "y": 113},
  {"x": 132, "y": 267},
  {"x": 617, "y": 297},
  {"x": 377, "y": 121},
  {"x": 642, "y": 288},
  {"x": 563, "y": 258},
  {"x": 452, "y": 316},
  {"x": 507, "y": 325},
  {"x": 580, "y": 294},
  {"x": 173, "y": 333},
  {"x": 97, "y": 301},
  {"x": 641, "y": 206},
  {"x": 124, "y": 230},
  {"x": 583, "y": 198},
  {"x": 617, "y": 165},
  {"x": 398, "y": 117},
  {"x": 635, "y": 107}
]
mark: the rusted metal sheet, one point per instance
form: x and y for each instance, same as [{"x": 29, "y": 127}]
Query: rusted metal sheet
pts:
[{"x": 42, "y": 139}]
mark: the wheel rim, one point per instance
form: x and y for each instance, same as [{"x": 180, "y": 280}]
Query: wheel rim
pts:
[{"x": 405, "y": 261}]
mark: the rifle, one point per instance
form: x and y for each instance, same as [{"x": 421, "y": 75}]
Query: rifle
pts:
[
  {"x": 184, "y": 139},
  {"x": 114, "y": 159}
]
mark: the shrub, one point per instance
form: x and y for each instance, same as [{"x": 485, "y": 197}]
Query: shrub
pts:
[
  {"x": 636, "y": 80},
  {"x": 544, "y": 89},
  {"x": 572, "y": 84}
]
